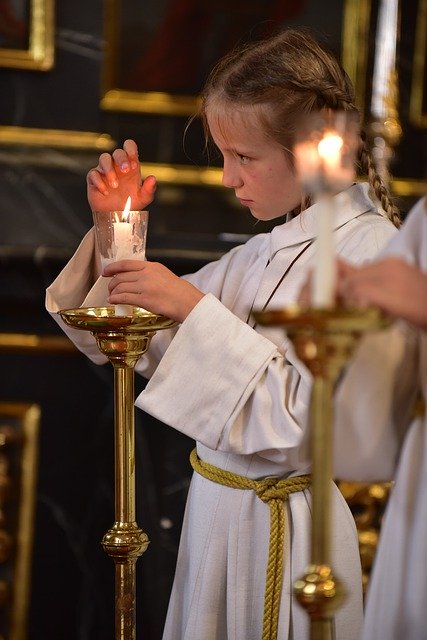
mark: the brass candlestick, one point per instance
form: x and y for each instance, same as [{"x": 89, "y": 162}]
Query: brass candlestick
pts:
[
  {"x": 325, "y": 340},
  {"x": 123, "y": 339}
]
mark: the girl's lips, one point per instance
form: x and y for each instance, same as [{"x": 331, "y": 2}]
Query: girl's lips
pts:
[{"x": 245, "y": 203}]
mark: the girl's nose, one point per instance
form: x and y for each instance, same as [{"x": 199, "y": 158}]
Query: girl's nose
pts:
[{"x": 230, "y": 176}]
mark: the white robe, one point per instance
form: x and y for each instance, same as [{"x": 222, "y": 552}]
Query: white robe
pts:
[
  {"x": 378, "y": 439},
  {"x": 243, "y": 396}
]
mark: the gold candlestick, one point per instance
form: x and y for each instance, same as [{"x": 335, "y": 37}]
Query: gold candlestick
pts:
[
  {"x": 123, "y": 339},
  {"x": 325, "y": 340}
]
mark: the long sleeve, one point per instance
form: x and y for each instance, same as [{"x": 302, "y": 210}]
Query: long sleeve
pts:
[{"x": 221, "y": 390}]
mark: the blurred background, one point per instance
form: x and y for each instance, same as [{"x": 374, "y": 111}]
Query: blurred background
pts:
[{"x": 77, "y": 78}]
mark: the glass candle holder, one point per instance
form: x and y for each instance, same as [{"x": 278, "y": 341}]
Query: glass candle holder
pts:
[
  {"x": 121, "y": 235},
  {"x": 325, "y": 149}
]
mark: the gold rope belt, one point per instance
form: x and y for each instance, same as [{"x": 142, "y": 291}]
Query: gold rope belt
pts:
[{"x": 274, "y": 492}]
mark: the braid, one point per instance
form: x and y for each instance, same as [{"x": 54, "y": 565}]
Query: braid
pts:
[{"x": 382, "y": 193}]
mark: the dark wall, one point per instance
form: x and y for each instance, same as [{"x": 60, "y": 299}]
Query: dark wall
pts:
[{"x": 43, "y": 215}]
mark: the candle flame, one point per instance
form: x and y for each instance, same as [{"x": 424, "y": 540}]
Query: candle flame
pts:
[
  {"x": 330, "y": 146},
  {"x": 126, "y": 210},
  {"x": 125, "y": 214}
]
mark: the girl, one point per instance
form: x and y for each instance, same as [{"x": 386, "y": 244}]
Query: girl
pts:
[
  {"x": 382, "y": 439},
  {"x": 234, "y": 387}
]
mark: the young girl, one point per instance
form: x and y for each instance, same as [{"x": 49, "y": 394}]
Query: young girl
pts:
[
  {"x": 384, "y": 438},
  {"x": 235, "y": 387}
]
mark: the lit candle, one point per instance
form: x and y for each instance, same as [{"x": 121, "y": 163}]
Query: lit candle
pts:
[
  {"x": 323, "y": 285},
  {"x": 324, "y": 151},
  {"x": 329, "y": 151},
  {"x": 322, "y": 165},
  {"x": 123, "y": 249}
]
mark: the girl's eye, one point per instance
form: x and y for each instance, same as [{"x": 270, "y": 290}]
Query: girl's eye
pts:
[{"x": 243, "y": 159}]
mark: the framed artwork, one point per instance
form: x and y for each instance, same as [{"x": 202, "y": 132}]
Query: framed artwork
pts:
[
  {"x": 19, "y": 428},
  {"x": 418, "y": 105},
  {"x": 158, "y": 53},
  {"x": 27, "y": 34}
]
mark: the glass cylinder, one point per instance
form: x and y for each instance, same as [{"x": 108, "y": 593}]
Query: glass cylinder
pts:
[{"x": 121, "y": 235}]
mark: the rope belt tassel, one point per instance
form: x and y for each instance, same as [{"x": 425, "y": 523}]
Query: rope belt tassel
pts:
[{"x": 273, "y": 492}]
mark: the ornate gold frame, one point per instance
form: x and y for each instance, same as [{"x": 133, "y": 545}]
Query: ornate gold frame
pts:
[
  {"x": 33, "y": 343},
  {"x": 116, "y": 99},
  {"x": 40, "y": 54},
  {"x": 56, "y": 138},
  {"x": 357, "y": 18},
  {"x": 419, "y": 74},
  {"x": 27, "y": 418}
]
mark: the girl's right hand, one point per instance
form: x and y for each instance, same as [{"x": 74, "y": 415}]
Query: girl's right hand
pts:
[{"x": 117, "y": 177}]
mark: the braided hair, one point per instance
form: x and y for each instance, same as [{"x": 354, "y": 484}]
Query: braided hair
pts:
[{"x": 281, "y": 78}]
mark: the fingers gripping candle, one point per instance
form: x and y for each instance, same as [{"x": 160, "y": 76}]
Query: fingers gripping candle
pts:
[{"x": 121, "y": 235}]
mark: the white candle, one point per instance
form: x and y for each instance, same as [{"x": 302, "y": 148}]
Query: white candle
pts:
[
  {"x": 323, "y": 286},
  {"x": 329, "y": 149},
  {"x": 123, "y": 249},
  {"x": 122, "y": 240}
]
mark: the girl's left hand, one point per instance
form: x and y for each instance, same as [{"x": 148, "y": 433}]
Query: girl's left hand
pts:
[{"x": 152, "y": 286}]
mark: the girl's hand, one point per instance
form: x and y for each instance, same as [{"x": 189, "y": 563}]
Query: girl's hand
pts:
[
  {"x": 117, "y": 177},
  {"x": 152, "y": 286}
]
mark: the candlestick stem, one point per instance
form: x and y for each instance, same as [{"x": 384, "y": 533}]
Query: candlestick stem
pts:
[{"x": 321, "y": 444}]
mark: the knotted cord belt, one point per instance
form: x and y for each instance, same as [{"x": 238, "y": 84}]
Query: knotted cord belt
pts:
[{"x": 274, "y": 492}]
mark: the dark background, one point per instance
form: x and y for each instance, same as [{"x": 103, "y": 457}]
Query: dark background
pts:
[{"x": 43, "y": 215}]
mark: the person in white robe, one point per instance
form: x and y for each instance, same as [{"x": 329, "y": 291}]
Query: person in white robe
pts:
[
  {"x": 379, "y": 436},
  {"x": 233, "y": 386}
]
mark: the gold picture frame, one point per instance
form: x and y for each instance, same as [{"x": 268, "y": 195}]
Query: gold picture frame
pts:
[
  {"x": 355, "y": 29},
  {"x": 117, "y": 99},
  {"x": 418, "y": 102},
  {"x": 35, "y": 49},
  {"x": 21, "y": 422},
  {"x": 58, "y": 138}
]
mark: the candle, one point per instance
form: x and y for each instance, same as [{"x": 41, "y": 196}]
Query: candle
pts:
[
  {"x": 323, "y": 285},
  {"x": 324, "y": 152},
  {"x": 123, "y": 249},
  {"x": 329, "y": 151}
]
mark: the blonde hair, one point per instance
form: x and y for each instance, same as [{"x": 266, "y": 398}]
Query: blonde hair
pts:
[{"x": 281, "y": 78}]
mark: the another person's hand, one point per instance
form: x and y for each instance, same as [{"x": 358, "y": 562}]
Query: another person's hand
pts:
[
  {"x": 152, "y": 286},
  {"x": 391, "y": 284},
  {"x": 117, "y": 177}
]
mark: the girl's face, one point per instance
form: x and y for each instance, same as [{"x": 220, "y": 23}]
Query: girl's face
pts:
[{"x": 255, "y": 167}]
